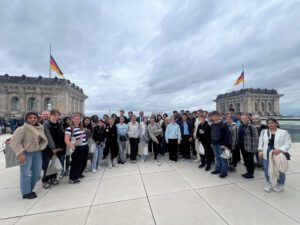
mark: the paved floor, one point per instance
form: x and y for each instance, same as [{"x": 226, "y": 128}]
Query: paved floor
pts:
[{"x": 145, "y": 194}]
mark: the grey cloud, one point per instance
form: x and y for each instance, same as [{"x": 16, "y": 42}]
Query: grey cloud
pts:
[{"x": 159, "y": 55}]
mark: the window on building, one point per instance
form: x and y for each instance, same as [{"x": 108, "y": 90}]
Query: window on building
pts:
[
  {"x": 270, "y": 107},
  {"x": 15, "y": 104},
  {"x": 262, "y": 107},
  {"x": 238, "y": 107},
  {"x": 48, "y": 104},
  {"x": 224, "y": 108},
  {"x": 255, "y": 106},
  {"x": 32, "y": 103}
]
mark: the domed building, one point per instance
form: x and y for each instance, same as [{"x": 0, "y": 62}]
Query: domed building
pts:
[
  {"x": 20, "y": 94},
  {"x": 264, "y": 102}
]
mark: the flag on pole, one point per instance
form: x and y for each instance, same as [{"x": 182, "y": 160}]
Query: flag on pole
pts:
[
  {"x": 240, "y": 79},
  {"x": 54, "y": 66}
]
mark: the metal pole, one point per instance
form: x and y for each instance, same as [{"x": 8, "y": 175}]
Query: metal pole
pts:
[
  {"x": 244, "y": 76},
  {"x": 50, "y": 63}
]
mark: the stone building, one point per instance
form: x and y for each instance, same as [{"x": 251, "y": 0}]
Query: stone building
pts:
[
  {"x": 20, "y": 94},
  {"x": 264, "y": 102}
]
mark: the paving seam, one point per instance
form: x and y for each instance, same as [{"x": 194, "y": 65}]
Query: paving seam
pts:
[
  {"x": 147, "y": 196},
  {"x": 195, "y": 190},
  {"x": 262, "y": 200},
  {"x": 88, "y": 214}
]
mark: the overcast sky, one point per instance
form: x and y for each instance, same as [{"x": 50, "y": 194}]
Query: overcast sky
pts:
[{"x": 156, "y": 55}]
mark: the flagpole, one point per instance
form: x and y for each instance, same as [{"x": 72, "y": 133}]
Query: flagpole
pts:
[
  {"x": 244, "y": 76},
  {"x": 50, "y": 63}
]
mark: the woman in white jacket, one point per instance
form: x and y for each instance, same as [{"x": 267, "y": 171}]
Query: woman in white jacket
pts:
[{"x": 274, "y": 143}]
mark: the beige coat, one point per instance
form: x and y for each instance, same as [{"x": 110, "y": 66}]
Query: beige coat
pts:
[{"x": 28, "y": 138}]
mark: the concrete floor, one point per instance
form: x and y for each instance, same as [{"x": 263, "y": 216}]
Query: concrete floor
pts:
[{"x": 145, "y": 194}]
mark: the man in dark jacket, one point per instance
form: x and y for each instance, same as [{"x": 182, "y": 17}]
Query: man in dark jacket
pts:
[
  {"x": 56, "y": 146},
  {"x": 187, "y": 137},
  {"x": 248, "y": 143},
  {"x": 220, "y": 137}
]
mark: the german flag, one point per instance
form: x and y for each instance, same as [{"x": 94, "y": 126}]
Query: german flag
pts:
[
  {"x": 54, "y": 66},
  {"x": 240, "y": 79}
]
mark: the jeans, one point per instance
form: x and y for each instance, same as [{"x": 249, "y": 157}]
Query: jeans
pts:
[
  {"x": 122, "y": 149},
  {"x": 30, "y": 171},
  {"x": 221, "y": 163},
  {"x": 97, "y": 157},
  {"x": 281, "y": 179},
  {"x": 134, "y": 146}
]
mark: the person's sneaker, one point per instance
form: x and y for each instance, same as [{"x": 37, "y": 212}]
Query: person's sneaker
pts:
[
  {"x": 29, "y": 196},
  {"x": 222, "y": 175},
  {"x": 215, "y": 172},
  {"x": 268, "y": 187},
  {"x": 74, "y": 181},
  {"x": 196, "y": 161},
  {"x": 156, "y": 163},
  {"x": 278, "y": 188},
  {"x": 201, "y": 165},
  {"x": 94, "y": 171},
  {"x": 54, "y": 181},
  {"x": 98, "y": 167},
  {"x": 245, "y": 175},
  {"x": 109, "y": 166},
  {"x": 81, "y": 176},
  {"x": 207, "y": 168},
  {"x": 46, "y": 185},
  {"x": 248, "y": 176},
  {"x": 116, "y": 165}
]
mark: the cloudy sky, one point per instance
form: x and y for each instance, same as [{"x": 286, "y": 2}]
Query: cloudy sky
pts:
[{"x": 156, "y": 55}]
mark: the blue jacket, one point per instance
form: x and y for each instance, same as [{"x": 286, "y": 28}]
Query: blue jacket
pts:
[{"x": 190, "y": 127}]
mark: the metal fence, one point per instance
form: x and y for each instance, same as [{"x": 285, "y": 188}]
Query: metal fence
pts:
[{"x": 295, "y": 134}]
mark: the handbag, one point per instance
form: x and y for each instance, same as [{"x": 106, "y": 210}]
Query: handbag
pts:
[
  {"x": 226, "y": 154},
  {"x": 10, "y": 156},
  {"x": 201, "y": 149},
  {"x": 54, "y": 166},
  {"x": 92, "y": 145}
]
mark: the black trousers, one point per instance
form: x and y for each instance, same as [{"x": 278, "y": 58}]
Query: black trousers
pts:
[
  {"x": 85, "y": 159},
  {"x": 150, "y": 145},
  {"x": 236, "y": 156},
  {"x": 77, "y": 161},
  {"x": 208, "y": 155},
  {"x": 185, "y": 149},
  {"x": 157, "y": 147},
  {"x": 46, "y": 157},
  {"x": 173, "y": 149},
  {"x": 134, "y": 147},
  {"x": 248, "y": 160}
]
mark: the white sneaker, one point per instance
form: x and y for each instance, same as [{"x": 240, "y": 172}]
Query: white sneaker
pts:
[
  {"x": 109, "y": 166},
  {"x": 116, "y": 165},
  {"x": 157, "y": 163},
  {"x": 196, "y": 161},
  {"x": 94, "y": 171},
  {"x": 98, "y": 167},
  {"x": 278, "y": 188},
  {"x": 268, "y": 187}
]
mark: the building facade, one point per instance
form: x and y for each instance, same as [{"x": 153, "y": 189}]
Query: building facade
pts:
[
  {"x": 20, "y": 94},
  {"x": 264, "y": 102}
]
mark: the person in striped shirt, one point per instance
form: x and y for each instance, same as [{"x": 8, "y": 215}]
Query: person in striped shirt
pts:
[{"x": 75, "y": 138}]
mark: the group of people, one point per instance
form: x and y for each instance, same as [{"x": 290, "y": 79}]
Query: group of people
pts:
[{"x": 209, "y": 137}]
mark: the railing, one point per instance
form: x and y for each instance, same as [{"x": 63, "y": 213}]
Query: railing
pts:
[{"x": 295, "y": 134}]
